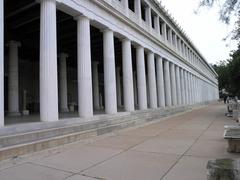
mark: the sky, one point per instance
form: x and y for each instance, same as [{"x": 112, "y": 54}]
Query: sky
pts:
[{"x": 204, "y": 28}]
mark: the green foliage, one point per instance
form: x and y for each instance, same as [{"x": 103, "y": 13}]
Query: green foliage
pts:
[{"x": 229, "y": 73}]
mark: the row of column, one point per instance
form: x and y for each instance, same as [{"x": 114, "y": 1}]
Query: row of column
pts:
[{"x": 167, "y": 85}]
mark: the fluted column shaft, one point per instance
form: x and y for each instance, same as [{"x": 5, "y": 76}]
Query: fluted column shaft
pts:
[
  {"x": 48, "y": 62},
  {"x": 183, "y": 97},
  {"x": 188, "y": 89},
  {"x": 173, "y": 84},
  {"x": 178, "y": 84},
  {"x": 138, "y": 9},
  {"x": 119, "y": 89},
  {"x": 96, "y": 97},
  {"x": 152, "y": 81},
  {"x": 191, "y": 87},
  {"x": 127, "y": 75},
  {"x": 13, "y": 80},
  {"x": 109, "y": 72},
  {"x": 141, "y": 78},
  {"x": 63, "y": 82},
  {"x": 160, "y": 82},
  {"x": 185, "y": 87},
  {"x": 148, "y": 16},
  {"x": 85, "y": 100},
  {"x": 157, "y": 25},
  {"x": 168, "y": 97},
  {"x": 1, "y": 63}
]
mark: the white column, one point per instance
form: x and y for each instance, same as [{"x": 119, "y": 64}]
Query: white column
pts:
[
  {"x": 152, "y": 81},
  {"x": 48, "y": 62},
  {"x": 192, "y": 89},
  {"x": 164, "y": 31},
  {"x": 125, "y": 5},
  {"x": 138, "y": 9},
  {"x": 109, "y": 72},
  {"x": 170, "y": 37},
  {"x": 183, "y": 97},
  {"x": 156, "y": 22},
  {"x": 168, "y": 97},
  {"x": 96, "y": 98},
  {"x": 148, "y": 16},
  {"x": 1, "y": 63},
  {"x": 178, "y": 82},
  {"x": 188, "y": 88},
  {"x": 185, "y": 87},
  {"x": 160, "y": 82},
  {"x": 173, "y": 84},
  {"x": 85, "y": 100},
  {"x": 63, "y": 82},
  {"x": 13, "y": 86},
  {"x": 141, "y": 78},
  {"x": 127, "y": 75},
  {"x": 119, "y": 89}
]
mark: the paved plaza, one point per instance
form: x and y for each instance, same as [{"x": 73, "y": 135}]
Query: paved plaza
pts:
[{"x": 175, "y": 148}]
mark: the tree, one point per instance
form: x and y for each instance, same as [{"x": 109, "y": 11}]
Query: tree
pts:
[
  {"x": 234, "y": 73},
  {"x": 229, "y": 73},
  {"x": 228, "y": 9}
]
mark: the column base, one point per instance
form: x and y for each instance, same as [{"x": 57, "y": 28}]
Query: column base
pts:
[{"x": 12, "y": 114}]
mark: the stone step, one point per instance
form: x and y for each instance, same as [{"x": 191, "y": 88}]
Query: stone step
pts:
[{"x": 12, "y": 145}]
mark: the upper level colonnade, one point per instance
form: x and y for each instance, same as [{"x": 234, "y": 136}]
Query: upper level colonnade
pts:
[{"x": 159, "y": 66}]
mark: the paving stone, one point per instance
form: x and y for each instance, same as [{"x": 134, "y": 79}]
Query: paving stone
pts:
[
  {"x": 79, "y": 158},
  {"x": 28, "y": 171},
  {"x": 134, "y": 165},
  {"x": 168, "y": 146},
  {"x": 188, "y": 168},
  {"x": 120, "y": 142},
  {"x": 209, "y": 148}
]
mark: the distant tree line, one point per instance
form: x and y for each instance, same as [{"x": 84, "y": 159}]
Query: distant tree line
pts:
[{"x": 229, "y": 74}]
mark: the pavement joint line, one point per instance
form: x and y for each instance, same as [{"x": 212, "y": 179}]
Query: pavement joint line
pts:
[
  {"x": 69, "y": 176},
  {"x": 125, "y": 150},
  {"x": 15, "y": 165},
  {"x": 129, "y": 149},
  {"x": 99, "y": 178},
  {"x": 36, "y": 164},
  {"x": 131, "y": 146},
  {"x": 83, "y": 175},
  {"x": 181, "y": 156}
]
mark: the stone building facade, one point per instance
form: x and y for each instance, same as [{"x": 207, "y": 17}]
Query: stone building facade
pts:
[{"x": 92, "y": 56}]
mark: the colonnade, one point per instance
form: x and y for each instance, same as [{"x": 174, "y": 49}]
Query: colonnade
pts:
[{"x": 167, "y": 83}]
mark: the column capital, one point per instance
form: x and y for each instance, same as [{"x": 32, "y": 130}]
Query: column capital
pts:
[
  {"x": 63, "y": 56},
  {"x": 14, "y": 43},
  {"x": 106, "y": 29},
  {"x": 125, "y": 39},
  {"x": 159, "y": 57},
  {"x": 80, "y": 17},
  {"x": 150, "y": 52},
  {"x": 138, "y": 46}
]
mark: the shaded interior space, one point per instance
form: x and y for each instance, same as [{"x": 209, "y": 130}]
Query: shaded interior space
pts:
[{"x": 22, "y": 25}]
